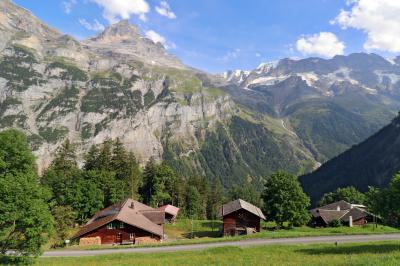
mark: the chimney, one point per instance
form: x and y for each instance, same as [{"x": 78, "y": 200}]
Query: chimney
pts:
[
  {"x": 338, "y": 208},
  {"x": 132, "y": 205}
]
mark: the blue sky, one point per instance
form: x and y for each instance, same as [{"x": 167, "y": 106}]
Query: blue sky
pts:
[{"x": 216, "y": 35}]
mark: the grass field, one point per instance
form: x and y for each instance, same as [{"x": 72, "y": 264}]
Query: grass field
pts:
[
  {"x": 206, "y": 231},
  {"x": 374, "y": 253}
]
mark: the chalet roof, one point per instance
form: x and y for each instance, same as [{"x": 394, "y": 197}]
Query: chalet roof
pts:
[
  {"x": 340, "y": 210},
  {"x": 156, "y": 216},
  {"x": 330, "y": 215},
  {"x": 355, "y": 213},
  {"x": 130, "y": 212},
  {"x": 343, "y": 205},
  {"x": 241, "y": 204},
  {"x": 170, "y": 209}
]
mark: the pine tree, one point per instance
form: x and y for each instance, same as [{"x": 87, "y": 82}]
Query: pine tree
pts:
[
  {"x": 119, "y": 160},
  {"x": 133, "y": 177},
  {"x": 201, "y": 184},
  {"x": 92, "y": 158},
  {"x": 105, "y": 155},
  {"x": 194, "y": 204},
  {"x": 62, "y": 173},
  {"x": 247, "y": 192},
  {"x": 149, "y": 173},
  {"x": 126, "y": 168},
  {"x": 65, "y": 159},
  {"x": 215, "y": 199},
  {"x": 171, "y": 183}
]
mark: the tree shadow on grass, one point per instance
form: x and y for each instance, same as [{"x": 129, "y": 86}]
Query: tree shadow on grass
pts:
[
  {"x": 353, "y": 249},
  {"x": 199, "y": 234},
  {"x": 215, "y": 224}
]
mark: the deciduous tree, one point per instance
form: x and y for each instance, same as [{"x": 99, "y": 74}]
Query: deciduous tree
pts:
[
  {"x": 284, "y": 200},
  {"x": 349, "y": 194},
  {"x": 25, "y": 218}
]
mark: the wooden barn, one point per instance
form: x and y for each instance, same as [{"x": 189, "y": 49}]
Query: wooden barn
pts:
[
  {"x": 347, "y": 213},
  {"x": 171, "y": 212},
  {"x": 127, "y": 222},
  {"x": 240, "y": 218}
]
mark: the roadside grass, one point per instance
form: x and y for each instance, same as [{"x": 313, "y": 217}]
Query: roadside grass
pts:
[
  {"x": 372, "y": 253},
  {"x": 206, "y": 231}
]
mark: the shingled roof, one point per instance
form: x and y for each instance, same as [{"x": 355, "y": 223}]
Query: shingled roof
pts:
[
  {"x": 341, "y": 205},
  {"x": 130, "y": 212},
  {"x": 340, "y": 210},
  {"x": 240, "y": 204},
  {"x": 329, "y": 215},
  {"x": 170, "y": 209}
]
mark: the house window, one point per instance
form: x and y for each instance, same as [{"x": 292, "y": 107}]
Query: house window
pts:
[
  {"x": 131, "y": 236},
  {"x": 121, "y": 225},
  {"x": 111, "y": 226}
]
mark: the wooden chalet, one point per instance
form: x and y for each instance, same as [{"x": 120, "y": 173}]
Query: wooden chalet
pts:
[
  {"x": 347, "y": 213},
  {"x": 127, "y": 222},
  {"x": 171, "y": 212},
  {"x": 240, "y": 218}
]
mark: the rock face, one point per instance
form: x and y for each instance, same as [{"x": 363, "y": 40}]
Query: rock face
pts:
[
  {"x": 121, "y": 85},
  {"x": 329, "y": 104},
  {"x": 117, "y": 84}
]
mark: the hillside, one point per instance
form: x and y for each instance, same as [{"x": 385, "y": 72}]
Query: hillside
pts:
[
  {"x": 370, "y": 163},
  {"x": 330, "y": 104}
]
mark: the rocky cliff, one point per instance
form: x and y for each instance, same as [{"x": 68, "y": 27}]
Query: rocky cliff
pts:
[
  {"x": 117, "y": 84},
  {"x": 122, "y": 85}
]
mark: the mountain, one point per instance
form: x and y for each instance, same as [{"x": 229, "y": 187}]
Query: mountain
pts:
[
  {"x": 370, "y": 163},
  {"x": 329, "y": 104},
  {"x": 122, "y": 39},
  {"x": 288, "y": 115},
  {"x": 121, "y": 85}
]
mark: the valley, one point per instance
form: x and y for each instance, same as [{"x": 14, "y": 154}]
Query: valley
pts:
[{"x": 292, "y": 114}]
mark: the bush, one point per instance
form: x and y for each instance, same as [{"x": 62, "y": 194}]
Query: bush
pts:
[{"x": 335, "y": 223}]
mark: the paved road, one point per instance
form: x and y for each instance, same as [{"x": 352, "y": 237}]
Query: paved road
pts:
[{"x": 242, "y": 243}]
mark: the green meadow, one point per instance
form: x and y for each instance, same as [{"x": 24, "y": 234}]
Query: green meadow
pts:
[{"x": 373, "y": 253}]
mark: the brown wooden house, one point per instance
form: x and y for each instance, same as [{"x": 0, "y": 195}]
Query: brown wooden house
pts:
[
  {"x": 127, "y": 222},
  {"x": 240, "y": 217},
  {"x": 347, "y": 213}
]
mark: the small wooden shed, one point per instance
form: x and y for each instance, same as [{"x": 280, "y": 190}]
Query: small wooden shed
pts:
[{"x": 240, "y": 218}]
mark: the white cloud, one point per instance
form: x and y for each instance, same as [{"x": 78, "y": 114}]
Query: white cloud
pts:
[
  {"x": 95, "y": 26},
  {"x": 258, "y": 55},
  {"x": 114, "y": 10},
  {"x": 165, "y": 10},
  {"x": 230, "y": 55},
  {"x": 68, "y": 5},
  {"x": 380, "y": 19},
  {"x": 324, "y": 44},
  {"x": 157, "y": 38}
]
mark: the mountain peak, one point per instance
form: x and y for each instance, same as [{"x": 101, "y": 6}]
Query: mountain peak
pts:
[{"x": 119, "y": 32}]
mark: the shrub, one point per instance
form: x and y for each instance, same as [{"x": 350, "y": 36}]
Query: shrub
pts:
[{"x": 335, "y": 223}]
